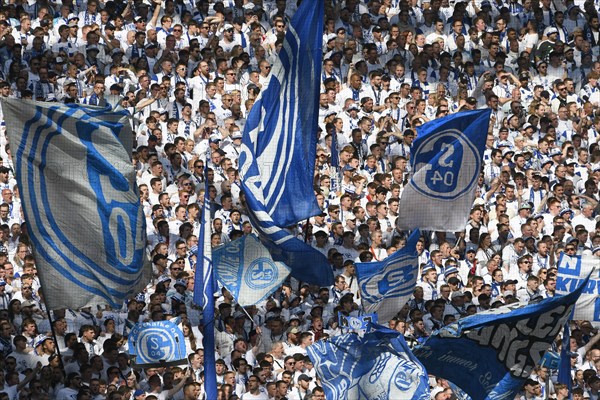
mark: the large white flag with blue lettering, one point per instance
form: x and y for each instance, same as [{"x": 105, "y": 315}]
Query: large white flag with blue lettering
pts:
[
  {"x": 80, "y": 201},
  {"x": 571, "y": 272},
  {"x": 446, "y": 163},
  {"x": 247, "y": 270},
  {"x": 387, "y": 285}
]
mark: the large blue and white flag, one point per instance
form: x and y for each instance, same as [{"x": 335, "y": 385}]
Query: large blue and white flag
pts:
[
  {"x": 490, "y": 355},
  {"x": 80, "y": 201},
  {"x": 571, "y": 272},
  {"x": 387, "y": 285},
  {"x": 446, "y": 162},
  {"x": 377, "y": 366},
  {"x": 277, "y": 160},
  {"x": 247, "y": 270},
  {"x": 205, "y": 288},
  {"x": 279, "y": 147},
  {"x": 157, "y": 344}
]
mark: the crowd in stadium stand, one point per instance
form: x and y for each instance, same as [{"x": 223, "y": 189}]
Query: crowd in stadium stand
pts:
[{"x": 189, "y": 73}]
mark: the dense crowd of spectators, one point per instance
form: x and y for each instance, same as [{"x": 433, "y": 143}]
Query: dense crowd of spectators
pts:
[{"x": 189, "y": 73}]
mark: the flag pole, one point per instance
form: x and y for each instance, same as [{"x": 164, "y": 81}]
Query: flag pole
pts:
[
  {"x": 204, "y": 292},
  {"x": 53, "y": 331}
]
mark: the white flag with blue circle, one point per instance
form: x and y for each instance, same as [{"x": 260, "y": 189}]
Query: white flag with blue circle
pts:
[
  {"x": 80, "y": 200},
  {"x": 446, "y": 159},
  {"x": 247, "y": 270}
]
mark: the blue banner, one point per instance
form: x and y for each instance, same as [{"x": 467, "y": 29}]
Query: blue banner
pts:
[
  {"x": 70, "y": 161},
  {"x": 377, "y": 366},
  {"x": 279, "y": 147},
  {"x": 247, "y": 270},
  {"x": 490, "y": 355},
  {"x": 277, "y": 160},
  {"x": 159, "y": 343},
  {"x": 205, "y": 287},
  {"x": 387, "y": 285},
  {"x": 446, "y": 163},
  {"x": 564, "y": 369}
]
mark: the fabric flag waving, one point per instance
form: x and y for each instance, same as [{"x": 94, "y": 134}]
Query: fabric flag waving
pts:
[
  {"x": 277, "y": 160},
  {"x": 247, "y": 270},
  {"x": 377, "y": 366},
  {"x": 564, "y": 370},
  {"x": 387, "y": 285},
  {"x": 279, "y": 147},
  {"x": 446, "y": 162},
  {"x": 80, "y": 201},
  {"x": 571, "y": 272},
  {"x": 490, "y": 355},
  {"x": 204, "y": 290}
]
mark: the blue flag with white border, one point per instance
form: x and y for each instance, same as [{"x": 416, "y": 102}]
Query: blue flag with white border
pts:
[
  {"x": 247, "y": 270},
  {"x": 279, "y": 147},
  {"x": 80, "y": 200},
  {"x": 446, "y": 162},
  {"x": 379, "y": 365},
  {"x": 490, "y": 355},
  {"x": 385, "y": 286}
]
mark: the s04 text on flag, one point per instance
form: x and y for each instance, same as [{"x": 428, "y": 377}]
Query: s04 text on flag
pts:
[
  {"x": 446, "y": 162},
  {"x": 80, "y": 201}
]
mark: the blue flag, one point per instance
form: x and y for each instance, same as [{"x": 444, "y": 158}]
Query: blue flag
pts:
[
  {"x": 247, "y": 270},
  {"x": 377, "y": 366},
  {"x": 387, "y": 285},
  {"x": 80, "y": 201},
  {"x": 564, "y": 370},
  {"x": 277, "y": 160},
  {"x": 279, "y": 147},
  {"x": 490, "y": 355},
  {"x": 446, "y": 163},
  {"x": 204, "y": 290},
  {"x": 157, "y": 344}
]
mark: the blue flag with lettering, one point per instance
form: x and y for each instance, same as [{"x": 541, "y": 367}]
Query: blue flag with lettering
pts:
[
  {"x": 247, "y": 270},
  {"x": 446, "y": 162},
  {"x": 490, "y": 355},
  {"x": 157, "y": 344},
  {"x": 387, "y": 285},
  {"x": 277, "y": 159},
  {"x": 378, "y": 365}
]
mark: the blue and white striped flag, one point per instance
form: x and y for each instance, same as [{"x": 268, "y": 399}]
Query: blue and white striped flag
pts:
[
  {"x": 80, "y": 201},
  {"x": 387, "y": 285},
  {"x": 446, "y": 160},
  {"x": 277, "y": 160},
  {"x": 204, "y": 290},
  {"x": 378, "y": 365}
]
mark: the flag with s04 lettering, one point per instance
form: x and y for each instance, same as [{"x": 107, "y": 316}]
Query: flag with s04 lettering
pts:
[
  {"x": 378, "y": 365},
  {"x": 387, "y": 285},
  {"x": 446, "y": 162},
  {"x": 277, "y": 158},
  {"x": 489, "y": 355},
  {"x": 80, "y": 200}
]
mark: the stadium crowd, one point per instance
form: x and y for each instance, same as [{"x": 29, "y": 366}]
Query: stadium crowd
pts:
[{"x": 189, "y": 73}]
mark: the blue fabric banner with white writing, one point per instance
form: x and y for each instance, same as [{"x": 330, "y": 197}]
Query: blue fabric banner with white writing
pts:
[{"x": 490, "y": 355}]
